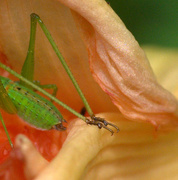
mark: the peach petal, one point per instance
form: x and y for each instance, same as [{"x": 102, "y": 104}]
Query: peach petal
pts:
[
  {"x": 33, "y": 160},
  {"x": 136, "y": 152},
  {"x": 120, "y": 66},
  {"x": 14, "y": 37}
]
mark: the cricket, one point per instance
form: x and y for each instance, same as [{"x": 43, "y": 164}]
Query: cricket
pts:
[{"x": 20, "y": 97}]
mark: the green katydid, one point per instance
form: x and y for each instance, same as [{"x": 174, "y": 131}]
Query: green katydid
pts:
[{"x": 19, "y": 97}]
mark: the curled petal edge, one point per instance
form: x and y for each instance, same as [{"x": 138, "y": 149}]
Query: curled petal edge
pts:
[{"x": 120, "y": 66}]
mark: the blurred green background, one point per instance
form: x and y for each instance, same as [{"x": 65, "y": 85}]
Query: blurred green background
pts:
[{"x": 150, "y": 21}]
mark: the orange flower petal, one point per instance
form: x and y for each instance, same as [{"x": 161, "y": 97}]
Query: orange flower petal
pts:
[{"x": 120, "y": 66}]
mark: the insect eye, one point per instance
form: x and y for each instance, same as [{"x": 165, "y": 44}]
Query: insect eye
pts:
[{"x": 18, "y": 88}]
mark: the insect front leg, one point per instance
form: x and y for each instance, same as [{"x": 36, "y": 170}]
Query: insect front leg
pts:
[
  {"x": 6, "y": 131},
  {"x": 6, "y": 104},
  {"x": 47, "y": 86}
]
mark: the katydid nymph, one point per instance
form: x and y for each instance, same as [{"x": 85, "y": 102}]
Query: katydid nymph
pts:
[{"x": 19, "y": 97}]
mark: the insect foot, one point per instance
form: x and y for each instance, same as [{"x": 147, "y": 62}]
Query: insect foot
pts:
[
  {"x": 101, "y": 123},
  {"x": 59, "y": 127}
]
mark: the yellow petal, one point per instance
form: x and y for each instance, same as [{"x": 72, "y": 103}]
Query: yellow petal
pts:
[
  {"x": 34, "y": 163},
  {"x": 164, "y": 62},
  {"x": 136, "y": 152}
]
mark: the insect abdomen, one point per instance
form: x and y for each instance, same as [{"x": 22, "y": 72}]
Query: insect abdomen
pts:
[{"x": 33, "y": 108}]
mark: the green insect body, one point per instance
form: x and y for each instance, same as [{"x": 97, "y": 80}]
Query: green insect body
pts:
[{"x": 32, "y": 108}]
